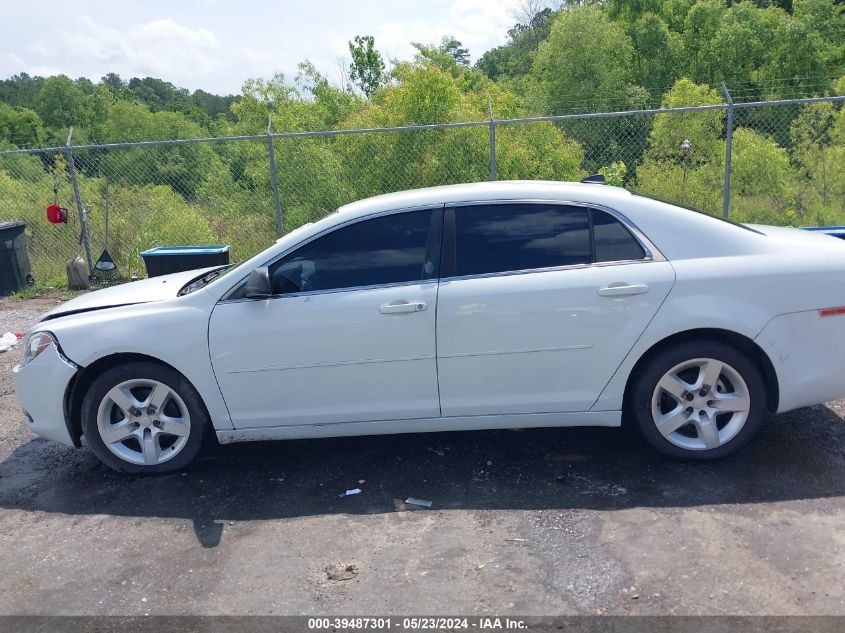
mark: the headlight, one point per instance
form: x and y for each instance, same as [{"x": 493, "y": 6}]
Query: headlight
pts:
[{"x": 36, "y": 343}]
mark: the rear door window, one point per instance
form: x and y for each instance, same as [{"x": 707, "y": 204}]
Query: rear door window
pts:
[{"x": 510, "y": 237}]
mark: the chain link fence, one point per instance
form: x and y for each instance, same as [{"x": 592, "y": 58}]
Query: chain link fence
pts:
[{"x": 777, "y": 162}]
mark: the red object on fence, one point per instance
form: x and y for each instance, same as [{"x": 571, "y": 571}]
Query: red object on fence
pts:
[{"x": 56, "y": 214}]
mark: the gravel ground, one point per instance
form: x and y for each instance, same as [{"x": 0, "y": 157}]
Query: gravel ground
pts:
[{"x": 568, "y": 521}]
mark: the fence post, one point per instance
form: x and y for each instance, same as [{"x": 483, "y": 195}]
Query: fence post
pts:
[
  {"x": 729, "y": 135},
  {"x": 274, "y": 181},
  {"x": 492, "y": 140},
  {"x": 83, "y": 219}
]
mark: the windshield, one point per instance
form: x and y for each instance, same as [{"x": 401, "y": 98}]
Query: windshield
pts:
[{"x": 204, "y": 280}]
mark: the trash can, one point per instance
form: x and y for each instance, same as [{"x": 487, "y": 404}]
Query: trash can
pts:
[
  {"x": 164, "y": 260},
  {"x": 15, "y": 272}
]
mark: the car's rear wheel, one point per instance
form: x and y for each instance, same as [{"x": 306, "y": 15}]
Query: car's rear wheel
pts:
[
  {"x": 143, "y": 417},
  {"x": 699, "y": 400}
]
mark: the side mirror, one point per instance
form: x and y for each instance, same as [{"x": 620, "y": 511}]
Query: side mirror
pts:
[{"x": 258, "y": 285}]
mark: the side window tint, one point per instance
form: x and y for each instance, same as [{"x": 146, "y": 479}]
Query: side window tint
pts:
[
  {"x": 504, "y": 237},
  {"x": 614, "y": 242},
  {"x": 387, "y": 249}
]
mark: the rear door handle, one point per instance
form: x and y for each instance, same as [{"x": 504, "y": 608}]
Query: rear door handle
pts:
[
  {"x": 400, "y": 307},
  {"x": 621, "y": 290}
]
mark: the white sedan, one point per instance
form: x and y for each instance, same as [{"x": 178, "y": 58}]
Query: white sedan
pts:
[{"x": 478, "y": 306}]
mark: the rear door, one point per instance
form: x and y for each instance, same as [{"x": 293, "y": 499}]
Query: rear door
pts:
[{"x": 538, "y": 305}]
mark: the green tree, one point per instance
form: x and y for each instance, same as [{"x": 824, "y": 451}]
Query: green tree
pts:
[
  {"x": 703, "y": 129},
  {"x": 447, "y": 55},
  {"x": 310, "y": 172},
  {"x": 156, "y": 93},
  {"x": 181, "y": 167},
  {"x": 113, "y": 82},
  {"x": 701, "y": 26},
  {"x": 819, "y": 134},
  {"x": 585, "y": 58},
  {"x": 367, "y": 67},
  {"x": 425, "y": 93},
  {"x": 21, "y": 167},
  {"x": 60, "y": 102},
  {"x": 443, "y": 56},
  {"x": 630, "y": 11},
  {"x": 20, "y": 126},
  {"x": 455, "y": 50},
  {"x": 743, "y": 41},
  {"x": 291, "y": 112},
  {"x": 810, "y": 133},
  {"x": 515, "y": 58},
  {"x": 807, "y": 44},
  {"x": 21, "y": 90},
  {"x": 334, "y": 103},
  {"x": 760, "y": 167},
  {"x": 85, "y": 85},
  {"x": 674, "y": 171},
  {"x": 96, "y": 108},
  {"x": 658, "y": 52},
  {"x": 214, "y": 105}
]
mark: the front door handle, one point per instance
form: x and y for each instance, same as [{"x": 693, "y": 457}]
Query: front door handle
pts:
[
  {"x": 400, "y": 307},
  {"x": 622, "y": 289}
]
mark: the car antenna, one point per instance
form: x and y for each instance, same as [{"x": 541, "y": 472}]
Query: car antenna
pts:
[{"x": 594, "y": 179}]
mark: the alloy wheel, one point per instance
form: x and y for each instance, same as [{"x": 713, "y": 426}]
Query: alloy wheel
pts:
[
  {"x": 143, "y": 421},
  {"x": 700, "y": 404}
]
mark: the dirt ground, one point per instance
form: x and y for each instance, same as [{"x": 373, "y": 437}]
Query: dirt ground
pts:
[{"x": 570, "y": 521}]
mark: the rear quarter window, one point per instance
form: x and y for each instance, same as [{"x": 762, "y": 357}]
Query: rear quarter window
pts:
[{"x": 613, "y": 241}]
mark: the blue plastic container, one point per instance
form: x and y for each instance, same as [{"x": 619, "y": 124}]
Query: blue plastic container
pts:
[
  {"x": 835, "y": 231},
  {"x": 164, "y": 260}
]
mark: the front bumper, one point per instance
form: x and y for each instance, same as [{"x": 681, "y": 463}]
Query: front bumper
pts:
[{"x": 40, "y": 387}]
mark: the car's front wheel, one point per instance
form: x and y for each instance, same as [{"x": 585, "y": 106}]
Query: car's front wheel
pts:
[
  {"x": 698, "y": 400},
  {"x": 143, "y": 417}
]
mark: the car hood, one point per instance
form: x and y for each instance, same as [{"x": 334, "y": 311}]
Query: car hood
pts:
[{"x": 142, "y": 291}]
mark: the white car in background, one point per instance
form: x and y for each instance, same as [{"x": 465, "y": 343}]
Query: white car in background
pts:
[{"x": 478, "y": 306}]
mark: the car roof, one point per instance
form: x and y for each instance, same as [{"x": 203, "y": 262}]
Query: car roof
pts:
[
  {"x": 484, "y": 191},
  {"x": 666, "y": 226},
  {"x": 675, "y": 232}
]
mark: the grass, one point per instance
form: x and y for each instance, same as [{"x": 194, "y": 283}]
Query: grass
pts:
[{"x": 56, "y": 285}]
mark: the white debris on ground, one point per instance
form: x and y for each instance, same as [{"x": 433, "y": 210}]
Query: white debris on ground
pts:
[{"x": 8, "y": 341}]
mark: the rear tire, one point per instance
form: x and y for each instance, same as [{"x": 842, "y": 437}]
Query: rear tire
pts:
[
  {"x": 699, "y": 400},
  {"x": 143, "y": 418}
]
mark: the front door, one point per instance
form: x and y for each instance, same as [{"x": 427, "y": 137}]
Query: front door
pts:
[{"x": 348, "y": 335}]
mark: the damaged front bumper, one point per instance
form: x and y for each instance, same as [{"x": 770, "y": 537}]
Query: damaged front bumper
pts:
[{"x": 40, "y": 387}]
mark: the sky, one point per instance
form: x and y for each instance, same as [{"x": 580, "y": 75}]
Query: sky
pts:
[{"x": 215, "y": 45}]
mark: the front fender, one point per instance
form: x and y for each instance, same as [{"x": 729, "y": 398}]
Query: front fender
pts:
[{"x": 174, "y": 332}]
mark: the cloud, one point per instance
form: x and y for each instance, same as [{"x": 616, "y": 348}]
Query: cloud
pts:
[
  {"x": 162, "y": 48},
  {"x": 11, "y": 61},
  {"x": 480, "y": 19},
  {"x": 12, "y": 64},
  {"x": 184, "y": 55},
  {"x": 201, "y": 44},
  {"x": 478, "y": 24}
]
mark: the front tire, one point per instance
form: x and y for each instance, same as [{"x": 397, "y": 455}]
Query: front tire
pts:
[
  {"x": 699, "y": 400},
  {"x": 143, "y": 418}
]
